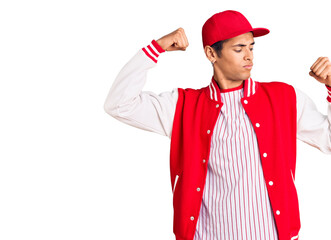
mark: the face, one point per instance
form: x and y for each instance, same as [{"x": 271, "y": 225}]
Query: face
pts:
[{"x": 235, "y": 55}]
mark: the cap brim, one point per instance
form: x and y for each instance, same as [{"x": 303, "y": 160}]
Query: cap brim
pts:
[{"x": 258, "y": 32}]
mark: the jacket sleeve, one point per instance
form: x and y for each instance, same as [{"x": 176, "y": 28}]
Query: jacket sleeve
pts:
[
  {"x": 146, "y": 110},
  {"x": 313, "y": 127}
]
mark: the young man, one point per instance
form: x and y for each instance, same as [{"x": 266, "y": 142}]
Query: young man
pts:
[{"x": 233, "y": 142}]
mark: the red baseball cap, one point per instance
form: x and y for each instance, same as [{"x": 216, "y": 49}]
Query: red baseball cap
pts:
[{"x": 228, "y": 24}]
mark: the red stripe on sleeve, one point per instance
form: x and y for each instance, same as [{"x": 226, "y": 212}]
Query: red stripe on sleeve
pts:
[
  {"x": 152, "y": 51},
  {"x": 157, "y": 46},
  {"x": 149, "y": 55},
  {"x": 329, "y": 94}
]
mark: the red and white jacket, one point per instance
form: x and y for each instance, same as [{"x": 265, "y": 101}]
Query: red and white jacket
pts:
[{"x": 279, "y": 113}]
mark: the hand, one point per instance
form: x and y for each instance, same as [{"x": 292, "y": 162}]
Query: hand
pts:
[
  {"x": 173, "y": 41},
  {"x": 321, "y": 70}
]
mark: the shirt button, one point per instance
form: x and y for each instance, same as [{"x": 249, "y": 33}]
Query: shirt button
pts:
[
  {"x": 264, "y": 154},
  {"x": 277, "y": 212},
  {"x": 208, "y": 131},
  {"x": 217, "y": 105},
  {"x": 245, "y": 101},
  {"x": 192, "y": 218},
  {"x": 204, "y": 160},
  {"x": 257, "y": 125},
  {"x": 198, "y": 189},
  {"x": 271, "y": 183}
]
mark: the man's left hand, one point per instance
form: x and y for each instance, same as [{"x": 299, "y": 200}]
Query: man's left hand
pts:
[{"x": 321, "y": 70}]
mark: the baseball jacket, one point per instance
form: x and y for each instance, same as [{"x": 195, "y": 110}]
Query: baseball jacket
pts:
[{"x": 279, "y": 112}]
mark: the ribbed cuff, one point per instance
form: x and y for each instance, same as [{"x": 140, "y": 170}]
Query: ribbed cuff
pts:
[
  {"x": 329, "y": 93},
  {"x": 153, "y": 50}
]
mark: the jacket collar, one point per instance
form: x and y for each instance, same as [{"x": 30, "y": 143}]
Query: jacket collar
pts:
[{"x": 250, "y": 88}]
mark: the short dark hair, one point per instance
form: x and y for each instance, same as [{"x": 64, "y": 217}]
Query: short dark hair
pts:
[{"x": 218, "y": 46}]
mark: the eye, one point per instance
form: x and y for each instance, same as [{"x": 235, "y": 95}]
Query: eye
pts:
[{"x": 237, "y": 50}]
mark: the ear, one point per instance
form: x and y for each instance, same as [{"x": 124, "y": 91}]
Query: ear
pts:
[{"x": 210, "y": 53}]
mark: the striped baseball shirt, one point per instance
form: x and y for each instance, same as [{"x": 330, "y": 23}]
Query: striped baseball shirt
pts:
[{"x": 235, "y": 203}]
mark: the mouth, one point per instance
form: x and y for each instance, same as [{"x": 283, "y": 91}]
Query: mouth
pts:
[{"x": 248, "y": 66}]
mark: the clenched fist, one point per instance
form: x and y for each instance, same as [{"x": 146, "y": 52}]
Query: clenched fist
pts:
[
  {"x": 173, "y": 41},
  {"x": 321, "y": 70}
]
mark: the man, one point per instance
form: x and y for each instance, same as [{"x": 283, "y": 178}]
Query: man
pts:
[{"x": 233, "y": 143}]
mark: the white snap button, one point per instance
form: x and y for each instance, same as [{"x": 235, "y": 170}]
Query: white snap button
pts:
[
  {"x": 204, "y": 160},
  {"x": 208, "y": 131},
  {"x": 277, "y": 212},
  {"x": 217, "y": 105},
  {"x": 271, "y": 183},
  {"x": 192, "y": 218},
  {"x": 198, "y": 189},
  {"x": 257, "y": 125},
  {"x": 264, "y": 154},
  {"x": 245, "y": 101}
]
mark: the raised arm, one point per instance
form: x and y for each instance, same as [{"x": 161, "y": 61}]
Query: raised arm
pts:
[
  {"x": 313, "y": 127},
  {"x": 146, "y": 110}
]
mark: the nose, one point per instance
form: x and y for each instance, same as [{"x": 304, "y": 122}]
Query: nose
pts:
[{"x": 248, "y": 55}]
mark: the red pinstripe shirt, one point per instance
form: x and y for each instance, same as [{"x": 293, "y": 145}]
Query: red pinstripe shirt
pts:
[{"x": 235, "y": 203}]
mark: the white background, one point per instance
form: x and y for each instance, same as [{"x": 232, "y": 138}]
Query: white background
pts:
[{"x": 70, "y": 171}]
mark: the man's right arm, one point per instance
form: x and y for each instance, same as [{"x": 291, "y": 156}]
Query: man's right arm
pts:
[
  {"x": 313, "y": 127},
  {"x": 144, "y": 109}
]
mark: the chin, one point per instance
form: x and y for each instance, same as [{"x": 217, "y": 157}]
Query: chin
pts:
[
  {"x": 246, "y": 76},
  {"x": 241, "y": 77}
]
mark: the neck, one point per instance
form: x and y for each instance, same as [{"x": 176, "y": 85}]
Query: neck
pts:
[{"x": 224, "y": 83}]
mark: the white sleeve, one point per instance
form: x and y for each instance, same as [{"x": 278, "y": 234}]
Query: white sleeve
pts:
[
  {"x": 313, "y": 127},
  {"x": 146, "y": 110}
]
